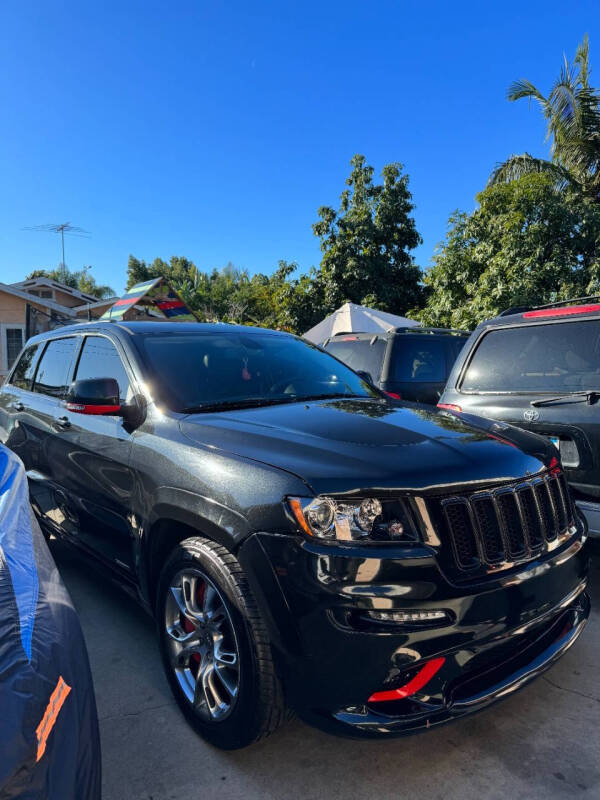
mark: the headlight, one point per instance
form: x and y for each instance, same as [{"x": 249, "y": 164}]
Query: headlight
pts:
[{"x": 368, "y": 519}]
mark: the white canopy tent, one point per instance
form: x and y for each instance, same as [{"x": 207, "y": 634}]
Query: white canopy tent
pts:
[{"x": 351, "y": 318}]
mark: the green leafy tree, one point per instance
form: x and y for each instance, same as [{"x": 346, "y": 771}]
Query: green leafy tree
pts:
[
  {"x": 366, "y": 243},
  {"x": 528, "y": 243},
  {"x": 77, "y": 279},
  {"x": 572, "y": 113}
]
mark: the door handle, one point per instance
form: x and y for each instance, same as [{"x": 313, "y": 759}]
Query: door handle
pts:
[
  {"x": 17, "y": 406},
  {"x": 63, "y": 422}
]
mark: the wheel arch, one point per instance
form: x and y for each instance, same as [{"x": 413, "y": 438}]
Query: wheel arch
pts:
[{"x": 177, "y": 518}]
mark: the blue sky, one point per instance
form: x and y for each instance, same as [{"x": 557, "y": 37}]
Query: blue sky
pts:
[{"x": 216, "y": 129}]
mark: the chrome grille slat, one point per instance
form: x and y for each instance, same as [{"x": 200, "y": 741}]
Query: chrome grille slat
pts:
[{"x": 492, "y": 529}]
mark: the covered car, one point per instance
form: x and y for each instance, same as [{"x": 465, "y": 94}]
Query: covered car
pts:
[{"x": 49, "y": 739}]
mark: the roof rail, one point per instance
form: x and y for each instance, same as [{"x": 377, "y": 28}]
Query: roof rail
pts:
[
  {"x": 419, "y": 329},
  {"x": 514, "y": 310}
]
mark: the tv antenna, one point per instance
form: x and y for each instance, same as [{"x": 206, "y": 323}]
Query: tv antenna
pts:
[{"x": 63, "y": 228}]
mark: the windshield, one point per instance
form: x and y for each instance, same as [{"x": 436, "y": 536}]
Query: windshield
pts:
[
  {"x": 193, "y": 370},
  {"x": 559, "y": 358}
]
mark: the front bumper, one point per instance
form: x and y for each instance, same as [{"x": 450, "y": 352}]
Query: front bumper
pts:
[{"x": 497, "y": 636}]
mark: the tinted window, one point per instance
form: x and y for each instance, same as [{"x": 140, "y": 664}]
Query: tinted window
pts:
[
  {"x": 25, "y": 369},
  {"x": 100, "y": 359},
  {"x": 537, "y": 358},
  {"x": 418, "y": 359},
  {"x": 55, "y": 367},
  {"x": 195, "y": 369},
  {"x": 360, "y": 354}
]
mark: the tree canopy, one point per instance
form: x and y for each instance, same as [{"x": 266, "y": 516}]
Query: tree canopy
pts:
[
  {"x": 528, "y": 243},
  {"x": 366, "y": 243},
  {"x": 230, "y": 294},
  {"x": 366, "y": 259}
]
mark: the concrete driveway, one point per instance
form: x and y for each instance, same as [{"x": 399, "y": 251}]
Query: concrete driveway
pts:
[{"x": 543, "y": 742}]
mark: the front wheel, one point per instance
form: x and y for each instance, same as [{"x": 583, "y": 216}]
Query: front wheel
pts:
[{"x": 215, "y": 647}]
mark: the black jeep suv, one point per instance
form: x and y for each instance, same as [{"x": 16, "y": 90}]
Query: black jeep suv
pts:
[
  {"x": 406, "y": 363},
  {"x": 302, "y": 541},
  {"x": 539, "y": 368}
]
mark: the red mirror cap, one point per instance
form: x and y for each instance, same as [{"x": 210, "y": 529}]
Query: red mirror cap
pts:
[{"x": 78, "y": 408}]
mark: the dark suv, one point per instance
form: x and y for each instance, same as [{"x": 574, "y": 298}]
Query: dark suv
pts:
[
  {"x": 406, "y": 363},
  {"x": 539, "y": 368},
  {"x": 302, "y": 541}
]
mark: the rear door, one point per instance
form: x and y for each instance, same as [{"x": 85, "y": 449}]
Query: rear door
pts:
[
  {"x": 15, "y": 398},
  {"x": 511, "y": 367},
  {"x": 38, "y": 428},
  {"x": 93, "y": 467}
]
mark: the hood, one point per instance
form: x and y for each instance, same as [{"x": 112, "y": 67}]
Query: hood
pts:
[{"x": 350, "y": 445}]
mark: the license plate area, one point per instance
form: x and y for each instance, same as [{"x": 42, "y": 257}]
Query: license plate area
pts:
[{"x": 567, "y": 447}]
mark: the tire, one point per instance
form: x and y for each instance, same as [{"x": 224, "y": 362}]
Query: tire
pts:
[{"x": 207, "y": 615}]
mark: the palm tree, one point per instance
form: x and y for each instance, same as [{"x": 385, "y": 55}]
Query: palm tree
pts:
[{"x": 572, "y": 111}]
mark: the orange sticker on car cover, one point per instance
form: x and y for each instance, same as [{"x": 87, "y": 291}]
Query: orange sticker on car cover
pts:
[{"x": 57, "y": 698}]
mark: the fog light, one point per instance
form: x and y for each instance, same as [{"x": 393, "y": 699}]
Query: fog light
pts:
[{"x": 408, "y": 617}]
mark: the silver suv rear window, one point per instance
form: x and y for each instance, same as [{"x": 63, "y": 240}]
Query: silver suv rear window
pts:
[{"x": 561, "y": 357}]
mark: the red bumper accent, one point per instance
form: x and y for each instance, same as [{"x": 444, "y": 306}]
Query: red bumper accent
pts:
[{"x": 423, "y": 676}]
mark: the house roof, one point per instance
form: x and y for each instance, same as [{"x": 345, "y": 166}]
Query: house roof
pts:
[
  {"x": 14, "y": 290},
  {"x": 34, "y": 283},
  {"x": 109, "y": 301}
]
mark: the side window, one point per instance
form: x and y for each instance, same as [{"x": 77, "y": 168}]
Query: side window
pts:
[
  {"x": 25, "y": 369},
  {"x": 419, "y": 359},
  {"x": 55, "y": 367},
  {"x": 100, "y": 359}
]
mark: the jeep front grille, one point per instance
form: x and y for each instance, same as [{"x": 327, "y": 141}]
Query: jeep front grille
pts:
[{"x": 495, "y": 528}]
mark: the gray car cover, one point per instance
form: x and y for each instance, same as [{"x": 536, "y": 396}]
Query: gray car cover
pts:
[{"x": 49, "y": 742}]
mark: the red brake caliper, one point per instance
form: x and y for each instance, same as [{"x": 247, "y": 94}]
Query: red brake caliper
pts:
[{"x": 188, "y": 626}]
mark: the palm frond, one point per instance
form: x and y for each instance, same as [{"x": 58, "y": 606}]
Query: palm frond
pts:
[
  {"x": 523, "y": 88},
  {"x": 517, "y": 166},
  {"x": 582, "y": 55}
]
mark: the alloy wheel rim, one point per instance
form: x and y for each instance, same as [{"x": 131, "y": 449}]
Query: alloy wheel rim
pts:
[{"x": 202, "y": 645}]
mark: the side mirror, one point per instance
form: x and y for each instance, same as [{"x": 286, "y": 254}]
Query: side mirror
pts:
[
  {"x": 366, "y": 376},
  {"x": 95, "y": 396}
]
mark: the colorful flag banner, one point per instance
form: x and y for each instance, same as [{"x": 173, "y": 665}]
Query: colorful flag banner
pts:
[{"x": 156, "y": 295}]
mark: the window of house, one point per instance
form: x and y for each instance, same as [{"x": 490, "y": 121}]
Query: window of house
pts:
[
  {"x": 14, "y": 344},
  {"x": 55, "y": 367},
  {"x": 46, "y": 294}
]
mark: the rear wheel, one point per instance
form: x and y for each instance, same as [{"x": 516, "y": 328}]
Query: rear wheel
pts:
[{"x": 215, "y": 647}]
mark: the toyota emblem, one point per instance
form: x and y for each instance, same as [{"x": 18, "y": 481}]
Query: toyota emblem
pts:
[{"x": 531, "y": 415}]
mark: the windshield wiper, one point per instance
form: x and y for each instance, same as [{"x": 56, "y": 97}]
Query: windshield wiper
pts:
[
  {"x": 257, "y": 402},
  {"x": 246, "y": 402},
  {"x": 337, "y": 395},
  {"x": 587, "y": 394}
]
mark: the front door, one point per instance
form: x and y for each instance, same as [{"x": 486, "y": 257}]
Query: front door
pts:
[{"x": 93, "y": 469}]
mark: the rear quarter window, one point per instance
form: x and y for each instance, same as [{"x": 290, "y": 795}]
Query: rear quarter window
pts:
[
  {"x": 562, "y": 356},
  {"x": 418, "y": 359},
  {"x": 22, "y": 376},
  {"x": 360, "y": 354}
]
